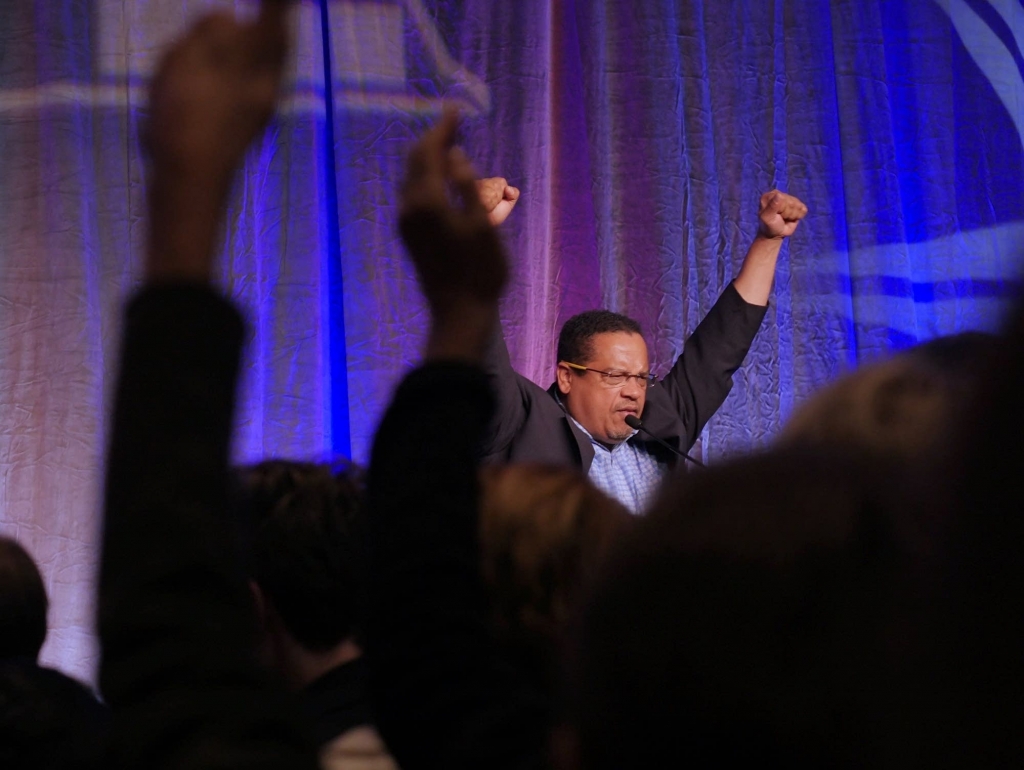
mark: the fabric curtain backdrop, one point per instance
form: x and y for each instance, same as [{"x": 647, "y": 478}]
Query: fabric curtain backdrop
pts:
[{"x": 641, "y": 135}]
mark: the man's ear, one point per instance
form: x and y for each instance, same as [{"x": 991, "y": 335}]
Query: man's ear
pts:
[{"x": 563, "y": 376}]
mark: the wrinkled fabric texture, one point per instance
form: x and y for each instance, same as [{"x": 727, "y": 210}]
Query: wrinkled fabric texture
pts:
[{"x": 641, "y": 135}]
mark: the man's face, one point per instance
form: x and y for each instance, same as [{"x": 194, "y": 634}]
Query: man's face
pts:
[{"x": 598, "y": 408}]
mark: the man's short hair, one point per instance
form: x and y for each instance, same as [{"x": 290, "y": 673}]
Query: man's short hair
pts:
[
  {"x": 23, "y": 603},
  {"x": 575, "y": 341},
  {"x": 308, "y": 546}
]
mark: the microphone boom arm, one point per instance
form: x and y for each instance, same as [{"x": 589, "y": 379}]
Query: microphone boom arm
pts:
[{"x": 636, "y": 423}]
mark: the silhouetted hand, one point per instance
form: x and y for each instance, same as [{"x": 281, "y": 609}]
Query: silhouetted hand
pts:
[
  {"x": 215, "y": 90},
  {"x": 213, "y": 93},
  {"x": 456, "y": 250}
]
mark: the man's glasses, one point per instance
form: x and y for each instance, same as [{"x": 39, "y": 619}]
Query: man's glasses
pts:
[{"x": 616, "y": 379}]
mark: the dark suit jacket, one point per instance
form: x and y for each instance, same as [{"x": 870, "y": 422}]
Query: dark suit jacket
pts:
[
  {"x": 530, "y": 426},
  {"x": 175, "y": 619}
]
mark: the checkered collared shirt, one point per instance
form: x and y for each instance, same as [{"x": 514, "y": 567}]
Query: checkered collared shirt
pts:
[{"x": 626, "y": 472}]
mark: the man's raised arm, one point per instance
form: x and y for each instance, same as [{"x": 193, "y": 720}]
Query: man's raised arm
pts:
[
  {"x": 701, "y": 378},
  {"x": 779, "y": 216},
  {"x": 499, "y": 198}
]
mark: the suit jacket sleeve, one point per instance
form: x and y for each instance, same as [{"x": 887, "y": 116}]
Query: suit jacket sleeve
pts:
[
  {"x": 701, "y": 377},
  {"x": 512, "y": 396},
  {"x": 444, "y": 694},
  {"x": 174, "y": 617}
]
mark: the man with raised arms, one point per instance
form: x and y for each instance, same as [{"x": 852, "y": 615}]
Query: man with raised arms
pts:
[{"x": 602, "y": 375}]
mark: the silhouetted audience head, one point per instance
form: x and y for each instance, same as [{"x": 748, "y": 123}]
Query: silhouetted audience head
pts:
[
  {"x": 308, "y": 557},
  {"x": 308, "y": 579},
  {"x": 48, "y": 721},
  {"x": 544, "y": 532},
  {"x": 23, "y": 603},
  {"x": 985, "y": 580},
  {"x": 905, "y": 407},
  {"x": 764, "y": 613}
]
